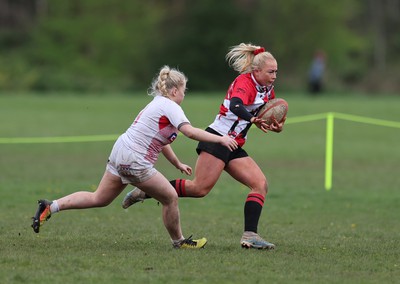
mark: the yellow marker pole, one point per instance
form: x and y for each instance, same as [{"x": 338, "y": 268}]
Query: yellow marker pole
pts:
[{"x": 329, "y": 151}]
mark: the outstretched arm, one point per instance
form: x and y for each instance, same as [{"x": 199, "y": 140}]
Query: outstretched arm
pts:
[
  {"x": 170, "y": 155},
  {"x": 200, "y": 135}
]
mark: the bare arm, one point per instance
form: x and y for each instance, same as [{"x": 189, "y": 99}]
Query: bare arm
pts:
[
  {"x": 170, "y": 155},
  {"x": 204, "y": 136}
]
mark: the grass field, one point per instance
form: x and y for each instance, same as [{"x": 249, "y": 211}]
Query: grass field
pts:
[{"x": 349, "y": 234}]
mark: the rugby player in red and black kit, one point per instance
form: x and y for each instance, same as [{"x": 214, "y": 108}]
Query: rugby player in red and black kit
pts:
[{"x": 247, "y": 93}]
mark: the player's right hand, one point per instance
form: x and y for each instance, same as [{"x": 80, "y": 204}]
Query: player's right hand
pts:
[{"x": 229, "y": 142}]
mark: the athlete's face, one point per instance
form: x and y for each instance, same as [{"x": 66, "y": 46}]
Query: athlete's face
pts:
[
  {"x": 267, "y": 74},
  {"x": 178, "y": 94}
]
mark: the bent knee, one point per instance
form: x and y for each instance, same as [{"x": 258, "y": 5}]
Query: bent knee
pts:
[
  {"x": 168, "y": 200},
  {"x": 201, "y": 194},
  {"x": 261, "y": 187},
  {"x": 198, "y": 189},
  {"x": 102, "y": 203},
  {"x": 201, "y": 191},
  {"x": 98, "y": 201},
  {"x": 265, "y": 186}
]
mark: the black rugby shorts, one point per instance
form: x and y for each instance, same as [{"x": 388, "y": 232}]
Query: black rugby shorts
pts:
[{"x": 219, "y": 151}]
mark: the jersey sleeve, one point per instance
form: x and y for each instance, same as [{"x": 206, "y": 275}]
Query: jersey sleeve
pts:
[
  {"x": 176, "y": 115},
  {"x": 243, "y": 89}
]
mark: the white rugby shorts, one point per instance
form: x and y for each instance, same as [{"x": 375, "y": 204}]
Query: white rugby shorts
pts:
[{"x": 125, "y": 163}]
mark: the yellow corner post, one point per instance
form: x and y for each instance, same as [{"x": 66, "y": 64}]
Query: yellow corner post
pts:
[{"x": 329, "y": 151}]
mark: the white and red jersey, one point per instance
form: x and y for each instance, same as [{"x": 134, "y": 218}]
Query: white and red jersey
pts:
[
  {"x": 253, "y": 96},
  {"x": 155, "y": 126}
]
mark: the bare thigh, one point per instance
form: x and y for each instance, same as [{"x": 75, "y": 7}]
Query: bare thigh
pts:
[
  {"x": 246, "y": 171},
  {"x": 109, "y": 188}
]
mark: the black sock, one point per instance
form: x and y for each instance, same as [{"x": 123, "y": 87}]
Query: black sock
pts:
[{"x": 252, "y": 211}]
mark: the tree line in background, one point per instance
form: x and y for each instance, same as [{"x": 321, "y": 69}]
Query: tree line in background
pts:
[{"x": 103, "y": 46}]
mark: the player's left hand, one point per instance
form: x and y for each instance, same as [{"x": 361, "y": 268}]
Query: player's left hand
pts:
[
  {"x": 260, "y": 124},
  {"x": 185, "y": 169},
  {"x": 275, "y": 126}
]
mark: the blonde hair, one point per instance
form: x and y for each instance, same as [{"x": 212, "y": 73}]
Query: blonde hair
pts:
[
  {"x": 246, "y": 58},
  {"x": 167, "y": 79}
]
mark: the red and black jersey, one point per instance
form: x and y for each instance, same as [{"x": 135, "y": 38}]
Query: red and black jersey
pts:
[{"x": 253, "y": 96}]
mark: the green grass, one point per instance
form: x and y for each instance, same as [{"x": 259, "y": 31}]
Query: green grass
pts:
[{"x": 347, "y": 235}]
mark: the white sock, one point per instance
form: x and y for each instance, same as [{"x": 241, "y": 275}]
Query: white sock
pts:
[
  {"x": 54, "y": 207},
  {"x": 177, "y": 242}
]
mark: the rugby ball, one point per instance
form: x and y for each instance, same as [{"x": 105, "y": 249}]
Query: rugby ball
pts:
[{"x": 274, "y": 109}]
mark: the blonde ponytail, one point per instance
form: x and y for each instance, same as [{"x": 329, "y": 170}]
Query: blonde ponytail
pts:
[{"x": 245, "y": 58}]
